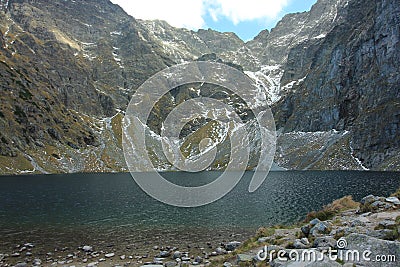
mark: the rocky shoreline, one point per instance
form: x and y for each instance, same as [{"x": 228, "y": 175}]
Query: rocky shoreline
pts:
[
  {"x": 373, "y": 225},
  {"x": 91, "y": 249}
]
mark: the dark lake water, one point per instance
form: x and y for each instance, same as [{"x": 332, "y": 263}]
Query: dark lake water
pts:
[{"x": 77, "y": 209}]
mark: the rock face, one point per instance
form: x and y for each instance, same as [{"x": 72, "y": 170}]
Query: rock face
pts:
[
  {"x": 186, "y": 45},
  {"x": 378, "y": 247},
  {"x": 330, "y": 74},
  {"x": 62, "y": 74},
  {"x": 351, "y": 82},
  {"x": 305, "y": 28}
]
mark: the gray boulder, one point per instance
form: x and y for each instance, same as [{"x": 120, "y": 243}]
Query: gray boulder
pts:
[
  {"x": 314, "y": 222},
  {"x": 357, "y": 222},
  {"x": 387, "y": 224},
  {"x": 297, "y": 244},
  {"x": 220, "y": 251},
  {"x": 320, "y": 228},
  {"x": 109, "y": 255},
  {"x": 231, "y": 246},
  {"x": 384, "y": 234},
  {"x": 305, "y": 230},
  {"x": 305, "y": 241},
  {"x": 393, "y": 200},
  {"x": 87, "y": 248},
  {"x": 325, "y": 242},
  {"x": 244, "y": 258},
  {"x": 369, "y": 199},
  {"x": 198, "y": 259},
  {"x": 377, "y": 246},
  {"x": 164, "y": 254},
  {"x": 177, "y": 254},
  {"x": 325, "y": 263},
  {"x": 378, "y": 204},
  {"x": 37, "y": 262},
  {"x": 170, "y": 264}
]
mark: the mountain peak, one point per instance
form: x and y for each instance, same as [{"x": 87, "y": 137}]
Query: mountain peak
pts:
[{"x": 330, "y": 74}]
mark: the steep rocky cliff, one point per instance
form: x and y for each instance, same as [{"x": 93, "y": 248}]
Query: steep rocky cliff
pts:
[
  {"x": 352, "y": 82},
  {"x": 63, "y": 71},
  {"x": 330, "y": 74}
]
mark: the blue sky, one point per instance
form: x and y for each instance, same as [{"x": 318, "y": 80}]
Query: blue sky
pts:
[
  {"x": 247, "y": 30},
  {"x": 244, "y": 17}
]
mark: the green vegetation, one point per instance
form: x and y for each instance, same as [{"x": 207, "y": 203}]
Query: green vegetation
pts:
[
  {"x": 367, "y": 207},
  {"x": 25, "y": 94},
  {"x": 14, "y": 164},
  {"x": 19, "y": 112},
  {"x": 116, "y": 124},
  {"x": 190, "y": 146},
  {"x": 341, "y": 262},
  {"x": 393, "y": 234}
]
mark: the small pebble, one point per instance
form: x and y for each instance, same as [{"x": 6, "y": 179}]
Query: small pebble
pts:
[{"x": 109, "y": 255}]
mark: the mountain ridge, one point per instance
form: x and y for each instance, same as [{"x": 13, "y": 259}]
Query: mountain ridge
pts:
[{"x": 67, "y": 77}]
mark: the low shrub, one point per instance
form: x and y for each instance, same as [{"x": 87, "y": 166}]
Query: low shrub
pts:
[
  {"x": 332, "y": 209},
  {"x": 396, "y": 194}
]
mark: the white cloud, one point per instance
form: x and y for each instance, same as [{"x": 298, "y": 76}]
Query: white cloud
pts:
[
  {"x": 190, "y": 13},
  {"x": 245, "y": 10}
]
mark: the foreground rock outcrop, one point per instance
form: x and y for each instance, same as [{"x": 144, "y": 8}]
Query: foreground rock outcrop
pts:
[{"x": 372, "y": 228}]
